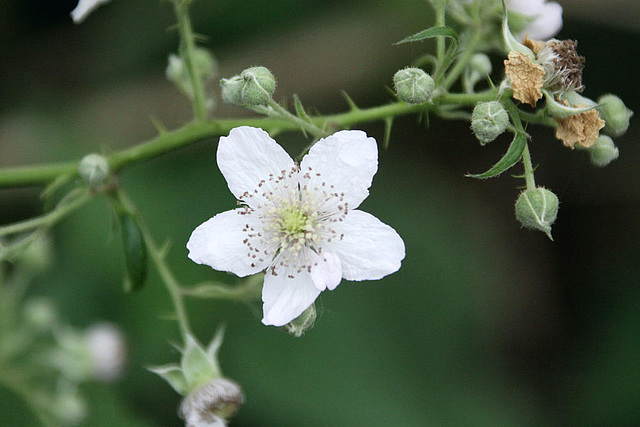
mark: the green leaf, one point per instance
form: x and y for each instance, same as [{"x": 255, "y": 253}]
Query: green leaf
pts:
[
  {"x": 512, "y": 156},
  {"x": 173, "y": 375},
  {"x": 135, "y": 254},
  {"x": 430, "y": 33}
]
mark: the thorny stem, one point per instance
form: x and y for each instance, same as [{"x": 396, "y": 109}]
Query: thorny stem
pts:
[
  {"x": 187, "y": 52},
  {"x": 197, "y": 131},
  {"x": 157, "y": 257}
]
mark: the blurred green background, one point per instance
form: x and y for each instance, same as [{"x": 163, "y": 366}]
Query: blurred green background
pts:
[{"x": 485, "y": 324}]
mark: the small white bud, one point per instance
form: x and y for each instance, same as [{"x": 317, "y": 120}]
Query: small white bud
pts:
[
  {"x": 108, "y": 351},
  {"x": 212, "y": 403},
  {"x": 94, "y": 169}
]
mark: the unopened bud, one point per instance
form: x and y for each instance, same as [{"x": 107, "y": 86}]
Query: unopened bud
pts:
[
  {"x": 489, "y": 119},
  {"x": 302, "y": 323},
  {"x": 108, "y": 351},
  {"x": 537, "y": 209},
  {"x": 413, "y": 85},
  {"x": 480, "y": 64},
  {"x": 213, "y": 402},
  {"x": 259, "y": 86},
  {"x": 603, "y": 152},
  {"x": 615, "y": 114},
  {"x": 94, "y": 169},
  {"x": 41, "y": 314},
  {"x": 232, "y": 90}
]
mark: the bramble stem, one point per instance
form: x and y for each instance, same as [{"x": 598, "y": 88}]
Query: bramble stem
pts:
[
  {"x": 196, "y": 131},
  {"x": 187, "y": 52}
]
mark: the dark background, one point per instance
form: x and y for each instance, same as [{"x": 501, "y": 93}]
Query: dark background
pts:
[{"x": 485, "y": 324}]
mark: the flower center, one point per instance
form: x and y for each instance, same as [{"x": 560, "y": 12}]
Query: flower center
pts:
[{"x": 293, "y": 225}]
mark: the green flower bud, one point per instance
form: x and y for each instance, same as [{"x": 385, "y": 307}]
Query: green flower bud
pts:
[
  {"x": 537, "y": 209},
  {"x": 615, "y": 114},
  {"x": 301, "y": 324},
  {"x": 205, "y": 68},
  {"x": 40, "y": 313},
  {"x": 603, "y": 152},
  {"x": 413, "y": 85},
  {"x": 232, "y": 90},
  {"x": 94, "y": 169},
  {"x": 480, "y": 64},
  {"x": 259, "y": 86},
  {"x": 489, "y": 119}
]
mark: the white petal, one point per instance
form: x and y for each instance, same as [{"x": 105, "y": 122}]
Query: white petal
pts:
[
  {"x": 326, "y": 271},
  {"x": 84, "y": 8},
  {"x": 369, "y": 249},
  {"x": 344, "y": 162},
  {"x": 251, "y": 162},
  {"x": 223, "y": 243},
  {"x": 285, "y": 298}
]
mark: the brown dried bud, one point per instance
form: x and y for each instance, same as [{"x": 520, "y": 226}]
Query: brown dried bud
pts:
[{"x": 562, "y": 64}]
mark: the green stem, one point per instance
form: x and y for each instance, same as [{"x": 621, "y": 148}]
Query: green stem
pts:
[
  {"x": 250, "y": 289},
  {"x": 157, "y": 257},
  {"x": 440, "y": 7},
  {"x": 187, "y": 52},
  {"x": 282, "y": 113},
  {"x": 514, "y": 113},
  {"x": 196, "y": 131},
  {"x": 71, "y": 203},
  {"x": 464, "y": 58}
]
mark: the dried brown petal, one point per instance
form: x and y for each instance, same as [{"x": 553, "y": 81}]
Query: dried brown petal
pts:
[
  {"x": 535, "y": 45},
  {"x": 526, "y": 77},
  {"x": 582, "y": 129}
]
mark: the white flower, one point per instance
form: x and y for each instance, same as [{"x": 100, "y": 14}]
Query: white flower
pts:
[
  {"x": 547, "y": 17},
  {"x": 299, "y": 223},
  {"x": 84, "y": 8}
]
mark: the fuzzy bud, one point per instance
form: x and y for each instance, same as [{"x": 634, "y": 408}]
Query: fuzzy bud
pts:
[
  {"x": 489, "y": 119},
  {"x": 603, "y": 152},
  {"x": 258, "y": 86},
  {"x": 302, "y": 323},
  {"x": 212, "y": 403},
  {"x": 615, "y": 114},
  {"x": 413, "y": 85},
  {"x": 480, "y": 64},
  {"x": 537, "y": 209},
  {"x": 232, "y": 90},
  {"x": 94, "y": 169}
]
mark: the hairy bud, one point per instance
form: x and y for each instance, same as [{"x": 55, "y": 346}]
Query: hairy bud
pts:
[
  {"x": 413, "y": 85},
  {"x": 489, "y": 119},
  {"x": 615, "y": 114},
  {"x": 302, "y": 323},
  {"x": 603, "y": 152},
  {"x": 537, "y": 209},
  {"x": 94, "y": 169}
]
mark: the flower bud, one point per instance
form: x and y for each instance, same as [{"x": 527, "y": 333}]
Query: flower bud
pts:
[
  {"x": 40, "y": 314},
  {"x": 232, "y": 90},
  {"x": 603, "y": 152},
  {"x": 94, "y": 169},
  {"x": 413, "y": 85},
  {"x": 302, "y": 323},
  {"x": 480, "y": 64},
  {"x": 615, "y": 114},
  {"x": 537, "y": 209},
  {"x": 214, "y": 402},
  {"x": 108, "y": 351},
  {"x": 259, "y": 86},
  {"x": 489, "y": 119}
]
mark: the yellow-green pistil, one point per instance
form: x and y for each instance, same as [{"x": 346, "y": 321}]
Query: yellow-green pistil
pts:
[{"x": 293, "y": 225}]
